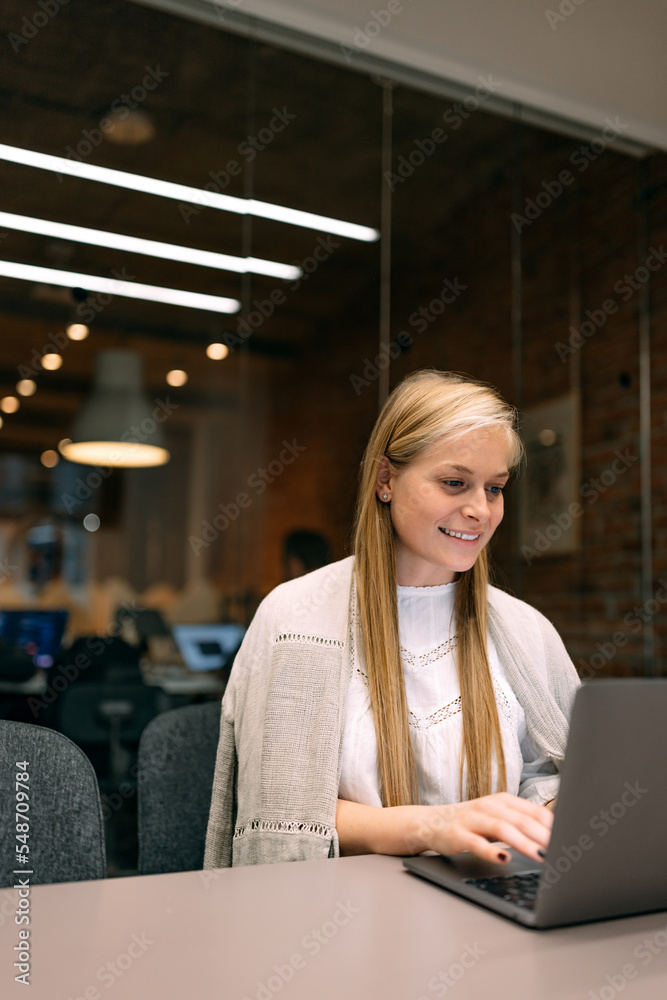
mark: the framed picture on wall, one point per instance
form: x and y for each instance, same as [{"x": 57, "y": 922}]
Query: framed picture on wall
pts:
[{"x": 551, "y": 507}]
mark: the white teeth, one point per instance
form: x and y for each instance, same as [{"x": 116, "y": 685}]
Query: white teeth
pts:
[{"x": 459, "y": 534}]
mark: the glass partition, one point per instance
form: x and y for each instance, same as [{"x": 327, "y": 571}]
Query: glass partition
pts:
[{"x": 514, "y": 257}]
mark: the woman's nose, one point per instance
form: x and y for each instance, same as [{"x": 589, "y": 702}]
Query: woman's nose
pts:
[{"x": 476, "y": 505}]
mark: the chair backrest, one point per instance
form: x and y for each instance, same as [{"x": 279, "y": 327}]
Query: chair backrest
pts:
[
  {"x": 64, "y": 813},
  {"x": 92, "y": 659},
  {"x": 175, "y": 780},
  {"x": 86, "y": 711}
]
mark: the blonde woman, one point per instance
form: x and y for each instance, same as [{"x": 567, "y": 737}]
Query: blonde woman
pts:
[{"x": 394, "y": 702}]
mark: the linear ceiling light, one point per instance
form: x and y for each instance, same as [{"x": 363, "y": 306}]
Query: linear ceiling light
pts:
[
  {"x": 115, "y": 286},
  {"x": 181, "y": 192},
  {"x": 151, "y": 248}
]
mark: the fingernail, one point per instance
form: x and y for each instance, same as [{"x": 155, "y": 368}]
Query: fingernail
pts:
[
  {"x": 541, "y": 853},
  {"x": 503, "y": 857}
]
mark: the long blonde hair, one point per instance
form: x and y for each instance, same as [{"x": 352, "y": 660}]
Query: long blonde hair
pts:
[{"x": 425, "y": 406}]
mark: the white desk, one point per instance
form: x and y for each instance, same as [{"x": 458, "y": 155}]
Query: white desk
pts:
[{"x": 385, "y": 935}]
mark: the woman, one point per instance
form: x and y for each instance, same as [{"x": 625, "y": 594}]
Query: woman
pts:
[{"x": 394, "y": 702}]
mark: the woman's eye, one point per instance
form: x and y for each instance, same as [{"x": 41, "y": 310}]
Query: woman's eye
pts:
[{"x": 457, "y": 484}]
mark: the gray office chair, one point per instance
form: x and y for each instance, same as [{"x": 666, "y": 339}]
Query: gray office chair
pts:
[
  {"x": 175, "y": 778},
  {"x": 64, "y": 814},
  {"x": 111, "y": 715}
]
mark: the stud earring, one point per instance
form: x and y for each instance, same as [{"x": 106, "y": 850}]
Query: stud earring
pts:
[{"x": 385, "y": 496}]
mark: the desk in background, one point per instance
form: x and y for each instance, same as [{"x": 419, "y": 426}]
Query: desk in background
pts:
[
  {"x": 163, "y": 667},
  {"x": 346, "y": 929},
  {"x": 16, "y": 695},
  {"x": 177, "y": 686},
  {"x": 34, "y": 685},
  {"x": 170, "y": 679}
]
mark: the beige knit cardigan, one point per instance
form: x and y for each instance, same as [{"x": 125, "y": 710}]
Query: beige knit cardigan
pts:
[{"x": 278, "y": 764}]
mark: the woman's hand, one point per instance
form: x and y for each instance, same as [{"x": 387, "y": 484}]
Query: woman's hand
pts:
[
  {"x": 463, "y": 826},
  {"x": 470, "y": 826}
]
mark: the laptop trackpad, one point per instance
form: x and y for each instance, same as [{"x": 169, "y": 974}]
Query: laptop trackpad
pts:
[
  {"x": 466, "y": 865},
  {"x": 465, "y": 869}
]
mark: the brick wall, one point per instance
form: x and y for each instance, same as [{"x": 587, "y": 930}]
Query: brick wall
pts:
[{"x": 573, "y": 254}]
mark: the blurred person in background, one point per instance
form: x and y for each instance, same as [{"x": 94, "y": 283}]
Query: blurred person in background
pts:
[{"x": 303, "y": 552}]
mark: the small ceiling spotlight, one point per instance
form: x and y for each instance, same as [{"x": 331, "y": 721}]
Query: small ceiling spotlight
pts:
[
  {"x": 547, "y": 437},
  {"x": 77, "y": 331},
  {"x": 9, "y": 404},
  {"x": 128, "y": 128},
  {"x": 176, "y": 377},
  {"x": 49, "y": 458},
  {"x": 52, "y": 362},
  {"x": 216, "y": 352},
  {"x": 26, "y": 387}
]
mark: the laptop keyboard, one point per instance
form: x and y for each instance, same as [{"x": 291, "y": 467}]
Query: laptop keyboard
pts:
[{"x": 519, "y": 889}]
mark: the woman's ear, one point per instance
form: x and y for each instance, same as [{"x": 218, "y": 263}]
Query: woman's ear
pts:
[{"x": 384, "y": 480}]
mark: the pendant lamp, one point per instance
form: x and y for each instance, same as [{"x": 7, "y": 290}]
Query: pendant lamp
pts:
[{"x": 118, "y": 425}]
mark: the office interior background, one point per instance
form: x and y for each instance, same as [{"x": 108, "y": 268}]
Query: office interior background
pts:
[{"x": 519, "y": 243}]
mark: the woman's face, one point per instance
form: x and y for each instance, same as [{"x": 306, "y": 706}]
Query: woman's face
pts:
[{"x": 453, "y": 488}]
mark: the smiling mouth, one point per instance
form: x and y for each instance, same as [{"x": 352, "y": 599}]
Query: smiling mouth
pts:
[{"x": 460, "y": 535}]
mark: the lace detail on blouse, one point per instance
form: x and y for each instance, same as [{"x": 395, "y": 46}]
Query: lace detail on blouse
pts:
[
  {"x": 316, "y": 640},
  {"x": 283, "y": 826},
  {"x": 423, "y": 659},
  {"x": 501, "y": 697},
  {"x": 453, "y": 708},
  {"x": 352, "y": 626}
]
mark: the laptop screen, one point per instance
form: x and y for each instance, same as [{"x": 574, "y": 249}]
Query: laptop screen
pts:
[
  {"x": 208, "y": 647},
  {"x": 37, "y": 633}
]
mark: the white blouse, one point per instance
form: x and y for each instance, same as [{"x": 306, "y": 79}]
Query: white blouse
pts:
[{"x": 425, "y": 616}]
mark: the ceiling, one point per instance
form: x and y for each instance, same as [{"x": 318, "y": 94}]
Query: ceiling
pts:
[
  {"x": 63, "y": 83},
  {"x": 216, "y": 92},
  {"x": 576, "y": 59}
]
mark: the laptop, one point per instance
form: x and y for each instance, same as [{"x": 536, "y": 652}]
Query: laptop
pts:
[
  {"x": 606, "y": 856},
  {"x": 35, "y": 632},
  {"x": 208, "y": 647}
]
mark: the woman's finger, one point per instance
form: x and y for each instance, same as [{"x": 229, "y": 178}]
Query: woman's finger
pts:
[
  {"x": 481, "y": 848},
  {"x": 520, "y": 841},
  {"x": 530, "y": 827},
  {"x": 504, "y": 800},
  {"x": 481, "y": 823}
]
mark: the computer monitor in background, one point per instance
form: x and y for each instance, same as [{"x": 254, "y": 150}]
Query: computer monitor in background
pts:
[
  {"x": 208, "y": 647},
  {"x": 38, "y": 633}
]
